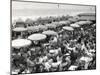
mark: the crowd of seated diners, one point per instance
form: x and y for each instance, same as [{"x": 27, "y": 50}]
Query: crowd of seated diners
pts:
[{"x": 64, "y": 52}]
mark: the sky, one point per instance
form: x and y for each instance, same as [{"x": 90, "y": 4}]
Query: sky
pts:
[
  {"x": 33, "y": 5},
  {"x": 33, "y": 9}
]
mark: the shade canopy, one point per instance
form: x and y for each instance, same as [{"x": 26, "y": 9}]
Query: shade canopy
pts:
[
  {"x": 57, "y": 24},
  {"x": 20, "y": 29},
  {"x": 18, "y": 43},
  {"x": 49, "y": 32},
  {"x": 83, "y": 22},
  {"x": 72, "y": 20},
  {"x": 67, "y": 22},
  {"x": 50, "y": 25},
  {"x": 36, "y": 37},
  {"x": 33, "y": 28},
  {"x": 74, "y": 25},
  {"x": 37, "y": 28},
  {"x": 68, "y": 28},
  {"x": 89, "y": 22},
  {"x": 42, "y": 27},
  {"x": 63, "y": 22}
]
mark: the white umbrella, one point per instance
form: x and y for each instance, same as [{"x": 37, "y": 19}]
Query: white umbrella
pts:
[
  {"x": 49, "y": 32},
  {"x": 83, "y": 22},
  {"x": 57, "y": 24},
  {"x": 33, "y": 28},
  {"x": 36, "y": 37},
  {"x": 50, "y": 25},
  {"x": 42, "y": 27},
  {"x": 74, "y": 25},
  {"x": 63, "y": 22},
  {"x": 89, "y": 22},
  {"x": 72, "y": 20},
  {"x": 68, "y": 28},
  {"x": 19, "y": 29},
  {"x": 18, "y": 43}
]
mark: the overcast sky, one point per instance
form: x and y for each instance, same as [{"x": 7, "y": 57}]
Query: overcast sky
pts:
[
  {"x": 34, "y": 10},
  {"x": 31, "y": 5}
]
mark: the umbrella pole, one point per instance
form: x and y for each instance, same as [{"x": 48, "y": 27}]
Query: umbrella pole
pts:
[
  {"x": 21, "y": 34},
  {"x": 14, "y": 34}
]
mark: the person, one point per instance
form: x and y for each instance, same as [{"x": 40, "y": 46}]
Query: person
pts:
[
  {"x": 48, "y": 65},
  {"x": 53, "y": 41}
]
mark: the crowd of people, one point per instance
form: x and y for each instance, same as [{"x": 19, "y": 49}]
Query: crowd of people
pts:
[{"x": 66, "y": 51}]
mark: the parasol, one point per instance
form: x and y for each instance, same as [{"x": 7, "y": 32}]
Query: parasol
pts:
[
  {"x": 72, "y": 20},
  {"x": 68, "y": 28},
  {"x": 89, "y": 22},
  {"x": 49, "y": 32},
  {"x": 33, "y": 28},
  {"x": 56, "y": 24},
  {"x": 83, "y": 22},
  {"x": 18, "y": 43},
  {"x": 74, "y": 25},
  {"x": 42, "y": 27},
  {"x": 36, "y": 37},
  {"x": 63, "y": 22},
  {"x": 19, "y": 29},
  {"x": 50, "y": 25}
]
